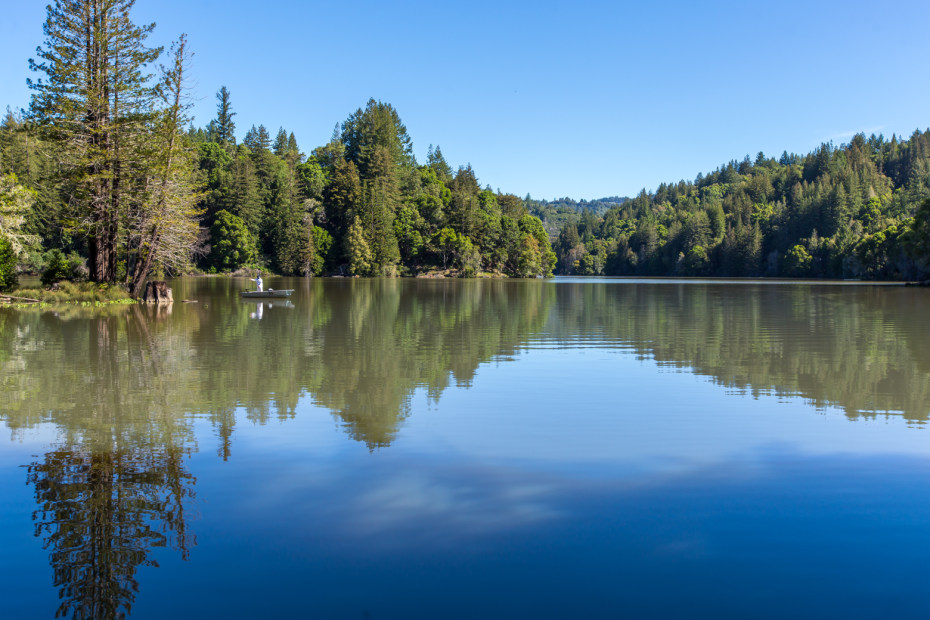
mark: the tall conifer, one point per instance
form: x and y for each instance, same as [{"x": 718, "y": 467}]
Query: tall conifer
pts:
[{"x": 95, "y": 102}]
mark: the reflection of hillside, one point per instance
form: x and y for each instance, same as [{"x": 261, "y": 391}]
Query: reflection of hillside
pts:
[
  {"x": 120, "y": 375},
  {"x": 392, "y": 337},
  {"x": 863, "y": 349},
  {"x": 360, "y": 348}
]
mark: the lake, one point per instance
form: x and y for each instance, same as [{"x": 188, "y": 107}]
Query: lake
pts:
[{"x": 594, "y": 448}]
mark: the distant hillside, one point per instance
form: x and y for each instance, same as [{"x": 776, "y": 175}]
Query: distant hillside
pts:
[
  {"x": 860, "y": 210},
  {"x": 555, "y": 214}
]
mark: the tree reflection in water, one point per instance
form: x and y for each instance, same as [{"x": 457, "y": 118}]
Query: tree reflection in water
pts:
[
  {"x": 115, "y": 486},
  {"x": 100, "y": 514}
]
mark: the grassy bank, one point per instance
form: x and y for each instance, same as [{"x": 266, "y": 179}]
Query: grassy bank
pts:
[{"x": 85, "y": 293}]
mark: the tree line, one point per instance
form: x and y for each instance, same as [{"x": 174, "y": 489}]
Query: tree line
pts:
[
  {"x": 105, "y": 175},
  {"x": 359, "y": 205},
  {"x": 857, "y": 211},
  {"x": 105, "y": 168}
]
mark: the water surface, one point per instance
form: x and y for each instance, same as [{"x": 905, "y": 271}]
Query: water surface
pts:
[{"x": 409, "y": 448}]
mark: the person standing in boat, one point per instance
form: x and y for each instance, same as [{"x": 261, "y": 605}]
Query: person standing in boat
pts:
[{"x": 258, "y": 282}]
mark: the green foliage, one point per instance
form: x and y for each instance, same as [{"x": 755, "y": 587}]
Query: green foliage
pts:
[
  {"x": 408, "y": 230},
  {"x": 311, "y": 179},
  {"x": 445, "y": 241},
  {"x": 16, "y": 203},
  {"x": 321, "y": 256},
  {"x": 222, "y": 130},
  {"x": 377, "y": 126},
  {"x": 8, "y": 278},
  {"x": 232, "y": 243},
  {"x": 59, "y": 267},
  {"x": 536, "y": 255},
  {"x": 695, "y": 262},
  {"x": 919, "y": 246},
  {"x": 79, "y": 292},
  {"x": 80, "y": 107},
  {"x": 467, "y": 257},
  {"x": 357, "y": 251},
  {"x": 847, "y": 208},
  {"x": 797, "y": 261},
  {"x": 215, "y": 164},
  {"x": 360, "y": 204}
]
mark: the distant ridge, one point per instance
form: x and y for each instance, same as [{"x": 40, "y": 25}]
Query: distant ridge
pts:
[{"x": 555, "y": 214}]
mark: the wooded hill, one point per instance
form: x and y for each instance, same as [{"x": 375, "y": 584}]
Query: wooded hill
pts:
[
  {"x": 844, "y": 212},
  {"x": 359, "y": 205},
  {"x": 104, "y": 169},
  {"x": 556, "y": 214}
]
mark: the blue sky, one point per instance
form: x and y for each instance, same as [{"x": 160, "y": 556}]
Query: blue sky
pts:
[{"x": 579, "y": 99}]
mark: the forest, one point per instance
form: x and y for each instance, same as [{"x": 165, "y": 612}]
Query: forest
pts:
[
  {"x": 859, "y": 210},
  {"x": 105, "y": 177}
]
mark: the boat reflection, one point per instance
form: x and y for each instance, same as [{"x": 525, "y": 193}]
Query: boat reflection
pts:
[{"x": 260, "y": 306}]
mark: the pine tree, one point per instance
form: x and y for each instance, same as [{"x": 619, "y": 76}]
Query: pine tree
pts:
[
  {"x": 280, "y": 143},
  {"x": 357, "y": 251},
  {"x": 247, "y": 203},
  {"x": 463, "y": 208},
  {"x": 378, "y": 125},
  {"x": 382, "y": 199},
  {"x": 96, "y": 103},
  {"x": 224, "y": 127},
  {"x": 437, "y": 162},
  {"x": 342, "y": 196}
]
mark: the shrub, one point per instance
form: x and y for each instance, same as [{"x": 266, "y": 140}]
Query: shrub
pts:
[
  {"x": 233, "y": 245},
  {"x": 8, "y": 277}
]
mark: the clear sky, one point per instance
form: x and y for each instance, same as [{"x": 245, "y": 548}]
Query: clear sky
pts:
[{"x": 579, "y": 99}]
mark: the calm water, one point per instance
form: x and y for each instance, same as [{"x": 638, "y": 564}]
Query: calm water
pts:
[{"x": 463, "y": 449}]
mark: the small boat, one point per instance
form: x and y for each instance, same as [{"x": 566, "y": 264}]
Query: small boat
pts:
[{"x": 284, "y": 292}]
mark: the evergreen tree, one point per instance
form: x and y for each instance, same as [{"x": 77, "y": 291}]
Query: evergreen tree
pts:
[
  {"x": 95, "y": 102},
  {"x": 280, "y": 143},
  {"x": 357, "y": 251},
  {"x": 258, "y": 140},
  {"x": 247, "y": 202},
  {"x": 8, "y": 277},
  {"x": 342, "y": 196},
  {"x": 378, "y": 125},
  {"x": 463, "y": 207},
  {"x": 292, "y": 143},
  {"x": 381, "y": 200},
  {"x": 437, "y": 162},
  {"x": 223, "y": 128},
  {"x": 215, "y": 163}
]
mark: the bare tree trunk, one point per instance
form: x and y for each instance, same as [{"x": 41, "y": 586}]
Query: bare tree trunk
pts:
[{"x": 150, "y": 250}]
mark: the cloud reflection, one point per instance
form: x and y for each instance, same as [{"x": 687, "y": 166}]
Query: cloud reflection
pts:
[{"x": 464, "y": 501}]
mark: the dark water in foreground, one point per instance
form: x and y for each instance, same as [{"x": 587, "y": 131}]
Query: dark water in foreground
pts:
[{"x": 462, "y": 449}]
